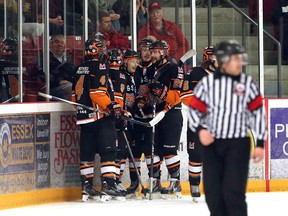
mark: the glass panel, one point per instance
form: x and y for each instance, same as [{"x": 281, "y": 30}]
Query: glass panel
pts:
[
  {"x": 32, "y": 57},
  {"x": 9, "y": 69}
]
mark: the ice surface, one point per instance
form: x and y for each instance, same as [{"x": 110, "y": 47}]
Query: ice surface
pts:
[{"x": 259, "y": 204}]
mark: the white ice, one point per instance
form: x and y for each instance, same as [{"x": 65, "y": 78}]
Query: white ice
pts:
[{"x": 259, "y": 204}]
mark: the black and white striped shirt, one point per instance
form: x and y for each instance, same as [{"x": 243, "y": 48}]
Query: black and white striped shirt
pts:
[{"x": 233, "y": 106}]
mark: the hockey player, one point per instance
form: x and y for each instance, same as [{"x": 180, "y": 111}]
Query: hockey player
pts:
[
  {"x": 125, "y": 134},
  {"x": 165, "y": 86},
  {"x": 98, "y": 132},
  {"x": 142, "y": 110},
  {"x": 233, "y": 105},
  {"x": 194, "y": 147},
  {"x": 9, "y": 69},
  {"x": 118, "y": 83}
]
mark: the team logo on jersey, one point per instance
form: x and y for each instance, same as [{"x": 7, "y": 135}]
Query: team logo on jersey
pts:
[
  {"x": 5, "y": 145},
  {"x": 122, "y": 76},
  {"x": 102, "y": 66},
  {"x": 191, "y": 145},
  {"x": 239, "y": 89}
]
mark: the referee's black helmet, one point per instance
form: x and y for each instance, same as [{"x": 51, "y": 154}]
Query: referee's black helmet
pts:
[{"x": 225, "y": 49}]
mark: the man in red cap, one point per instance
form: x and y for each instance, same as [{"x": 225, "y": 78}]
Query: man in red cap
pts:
[{"x": 164, "y": 30}]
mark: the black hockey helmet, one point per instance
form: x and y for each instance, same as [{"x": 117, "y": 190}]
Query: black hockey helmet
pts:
[
  {"x": 130, "y": 54},
  {"x": 115, "y": 57},
  {"x": 9, "y": 47},
  {"x": 225, "y": 49},
  {"x": 208, "y": 52},
  {"x": 162, "y": 46},
  {"x": 145, "y": 42},
  {"x": 94, "y": 47}
]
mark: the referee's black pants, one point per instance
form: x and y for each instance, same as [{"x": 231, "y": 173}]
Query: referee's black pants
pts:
[{"x": 225, "y": 173}]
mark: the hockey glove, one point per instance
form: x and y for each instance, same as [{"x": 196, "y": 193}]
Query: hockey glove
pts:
[
  {"x": 159, "y": 90},
  {"x": 122, "y": 124},
  {"x": 115, "y": 110}
]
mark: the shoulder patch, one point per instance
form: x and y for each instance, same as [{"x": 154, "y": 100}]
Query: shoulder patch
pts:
[
  {"x": 102, "y": 66},
  {"x": 180, "y": 70},
  {"x": 122, "y": 76}
]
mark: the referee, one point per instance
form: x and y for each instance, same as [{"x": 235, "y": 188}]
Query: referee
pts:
[{"x": 233, "y": 106}]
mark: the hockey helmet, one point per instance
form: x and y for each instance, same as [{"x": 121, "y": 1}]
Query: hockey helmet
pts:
[
  {"x": 115, "y": 57},
  {"x": 94, "y": 47},
  {"x": 130, "y": 54},
  {"x": 145, "y": 42},
  {"x": 9, "y": 47},
  {"x": 162, "y": 46},
  {"x": 225, "y": 49},
  {"x": 208, "y": 52}
]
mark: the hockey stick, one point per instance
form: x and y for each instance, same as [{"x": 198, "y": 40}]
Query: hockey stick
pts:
[
  {"x": 151, "y": 123},
  {"x": 144, "y": 190},
  {"x": 186, "y": 56},
  {"x": 11, "y": 99},
  {"x": 152, "y": 151}
]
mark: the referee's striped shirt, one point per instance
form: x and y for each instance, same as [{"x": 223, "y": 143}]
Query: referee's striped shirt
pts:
[{"x": 233, "y": 106}]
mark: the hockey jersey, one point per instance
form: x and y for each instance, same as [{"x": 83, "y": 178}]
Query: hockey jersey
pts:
[
  {"x": 172, "y": 76},
  {"x": 91, "y": 88},
  {"x": 190, "y": 81},
  {"x": 132, "y": 84},
  {"x": 143, "y": 70},
  {"x": 118, "y": 81}
]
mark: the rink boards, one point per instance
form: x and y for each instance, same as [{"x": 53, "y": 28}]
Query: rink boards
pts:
[{"x": 39, "y": 154}]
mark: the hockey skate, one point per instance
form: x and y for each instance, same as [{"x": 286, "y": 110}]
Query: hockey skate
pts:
[
  {"x": 132, "y": 190},
  {"x": 195, "y": 192},
  {"x": 173, "y": 191},
  {"x": 121, "y": 187},
  {"x": 112, "y": 191},
  {"x": 157, "y": 187},
  {"x": 89, "y": 192}
]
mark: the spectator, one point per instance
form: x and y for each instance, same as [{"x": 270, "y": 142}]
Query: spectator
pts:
[
  {"x": 113, "y": 38},
  {"x": 164, "y": 30},
  {"x": 29, "y": 27},
  {"x": 115, "y": 23},
  {"x": 61, "y": 68},
  {"x": 122, "y": 7},
  {"x": 73, "y": 15},
  {"x": 281, "y": 10},
  {"x": 141, "y": 13}
]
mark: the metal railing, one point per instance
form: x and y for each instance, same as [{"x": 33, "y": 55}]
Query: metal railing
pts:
[{"x": 246, "y": 17}]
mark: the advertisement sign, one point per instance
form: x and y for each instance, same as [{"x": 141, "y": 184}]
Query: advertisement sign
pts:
[
  {"x": 279, "y": 133},
  {"x": 42, "y": 151},
  {"x": 64, "y": 149},
  {"x": 17, "y": 152}
]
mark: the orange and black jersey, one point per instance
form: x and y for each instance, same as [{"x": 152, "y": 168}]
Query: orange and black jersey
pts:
[
  {"x": 91, "y": 88},
  {"x": 9, "y": 71},
  {"x": 142, "y": 72},
  {"x": 118, "y": 79},
  {"x": 190, "y": 81},
  {"x": 172, "y": 76}
]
